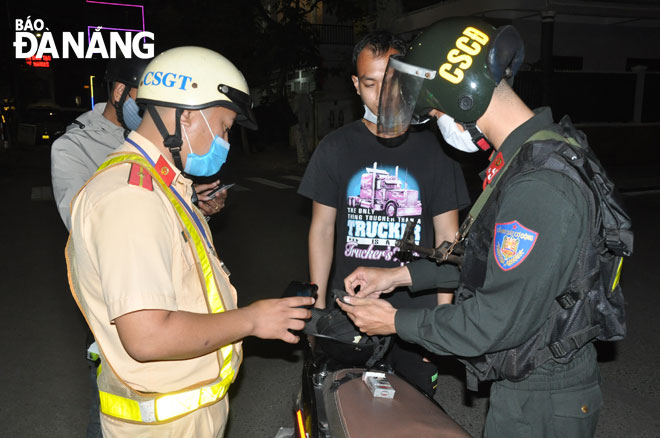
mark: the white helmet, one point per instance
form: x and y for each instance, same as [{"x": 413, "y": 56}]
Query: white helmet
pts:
[{"x": 195, "y": 78}]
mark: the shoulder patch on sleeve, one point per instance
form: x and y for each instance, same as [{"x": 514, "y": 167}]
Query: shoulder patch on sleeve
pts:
[
  {"x": 140, "y": 177},
  {"x": 512, "y": 244}
]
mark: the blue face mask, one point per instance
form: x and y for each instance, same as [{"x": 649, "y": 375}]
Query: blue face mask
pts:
[
  {"x": 211, "y": 162},
  {"x": 131, "y": 114}
]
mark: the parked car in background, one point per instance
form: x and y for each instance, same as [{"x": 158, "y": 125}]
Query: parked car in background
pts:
[{"x": 42, "y": 124}]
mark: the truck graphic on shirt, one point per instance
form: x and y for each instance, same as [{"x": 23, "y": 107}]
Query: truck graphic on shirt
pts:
[{"x": 381, "y": 191}]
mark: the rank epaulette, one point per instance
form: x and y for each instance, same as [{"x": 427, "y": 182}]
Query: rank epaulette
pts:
[{"x": 140, "y": 177}]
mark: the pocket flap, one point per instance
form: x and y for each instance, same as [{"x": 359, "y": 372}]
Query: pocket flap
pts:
[{"x": 577, "y": 404}]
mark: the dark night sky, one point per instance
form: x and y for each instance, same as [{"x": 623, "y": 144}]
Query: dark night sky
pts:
[{"x": 217, "y": 25}]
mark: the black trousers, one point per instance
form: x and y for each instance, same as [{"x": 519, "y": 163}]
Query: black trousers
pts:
[{"x": 407, "y": 360}]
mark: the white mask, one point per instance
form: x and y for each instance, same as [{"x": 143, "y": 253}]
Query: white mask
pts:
[
  {"x": 370, "y": 116},
  {"x": 461, "y": 140}
]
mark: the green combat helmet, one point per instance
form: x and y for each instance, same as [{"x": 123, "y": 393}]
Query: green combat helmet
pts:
[{"x": 454, "y": 66}]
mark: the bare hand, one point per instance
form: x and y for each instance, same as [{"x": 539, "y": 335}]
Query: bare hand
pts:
[
  {"x": 372, "y": 316},
  {"x": 272, "y": 319},
  {"x": 210, "y": 205},
  {"x": 436, "y": 113},
  {"x": 375, "y": 280}
]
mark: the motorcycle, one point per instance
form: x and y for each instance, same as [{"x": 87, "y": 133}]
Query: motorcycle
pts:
[{"x": 347, "y": 389}]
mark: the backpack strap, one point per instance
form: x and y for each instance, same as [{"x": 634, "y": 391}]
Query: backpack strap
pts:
[{"x": 565, "y": 346}]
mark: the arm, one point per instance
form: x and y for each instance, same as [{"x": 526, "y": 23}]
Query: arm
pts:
[
  {"x": 69, "y": 172},
  {"x": 321, "y": 248},
  {"x": 512, "y": 304},
  {"x": 445, "y": 226},
  {"x": 419, "y": 275},
  {"x": 156, "y": 335},
  {"x": 135, "y": 243}
]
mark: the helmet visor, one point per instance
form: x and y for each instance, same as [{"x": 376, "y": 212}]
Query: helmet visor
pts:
[
  {"x": 398, "y": 96},
  {"x": 241, "y": 103}
]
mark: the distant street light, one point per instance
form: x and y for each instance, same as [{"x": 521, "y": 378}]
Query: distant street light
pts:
[{"x": 91, "y": 89}]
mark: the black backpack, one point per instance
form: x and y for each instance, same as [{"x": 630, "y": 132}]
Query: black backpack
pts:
[{"x": 593, "y": 306}]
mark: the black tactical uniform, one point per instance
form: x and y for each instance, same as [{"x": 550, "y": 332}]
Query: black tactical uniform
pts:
[{"x": 518, "y": 259}]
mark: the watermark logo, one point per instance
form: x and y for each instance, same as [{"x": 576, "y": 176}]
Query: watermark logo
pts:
[{"x": 73, "y": 44}]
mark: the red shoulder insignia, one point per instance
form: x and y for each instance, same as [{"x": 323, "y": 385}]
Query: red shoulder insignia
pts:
[
  {"x": 140, "y": 177},
  {"x": 164, "y": 170},
  {"x": 494, "y": 167}
]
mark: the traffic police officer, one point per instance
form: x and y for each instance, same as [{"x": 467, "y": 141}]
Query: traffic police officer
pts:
[
  {"x": 142, "y": 264},
  {"x": 521, "y": 250},
  {"x": 77, "y": 154}
]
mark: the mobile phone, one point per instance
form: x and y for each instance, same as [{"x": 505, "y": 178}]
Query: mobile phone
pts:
[
  {"x": 218, "y": 189},
  {"x": 300, "y": 289}
]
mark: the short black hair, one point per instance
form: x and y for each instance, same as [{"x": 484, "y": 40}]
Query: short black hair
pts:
[{"x": 379, "y": 42}]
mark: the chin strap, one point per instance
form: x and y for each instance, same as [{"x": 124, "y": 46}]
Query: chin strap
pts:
[
  {"x": 171, "y": 141},
  {"x": 478, "y": 137}
]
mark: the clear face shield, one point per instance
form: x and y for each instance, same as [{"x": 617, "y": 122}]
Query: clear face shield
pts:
[{"x": 398, "y": 96}]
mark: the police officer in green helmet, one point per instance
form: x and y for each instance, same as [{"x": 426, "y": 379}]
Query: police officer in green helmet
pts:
[{"x": 529, "y": 302}]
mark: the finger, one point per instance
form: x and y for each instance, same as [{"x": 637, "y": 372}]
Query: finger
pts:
[
  {"x": 365, "y": 293},
  {"x": 206, "y": 209},
  {"x": 345, "y": 307},
  {"x": 350, "y": 282},
  {"x": 211, "y": 208},
  {"x": 299, "y": 313},
  {"x": 297, "y": 324},
  {"x": 355, "y": 283},
  {"x": 298, "y": 301},
  {"x": 290, "y": 338},
  {"x": 202, "y": 190},
  {"x": 354, "y": 300}
]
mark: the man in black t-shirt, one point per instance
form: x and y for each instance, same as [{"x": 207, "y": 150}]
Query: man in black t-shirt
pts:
[{"x": 365, "y": 187}]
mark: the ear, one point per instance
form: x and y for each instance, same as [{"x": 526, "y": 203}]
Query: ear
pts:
[
  {"x": 186, "y": 117},
  {"x": 117, "y": 91},
  {"x": 356, "y": 84},
  {"x": 506, "y": 53}
]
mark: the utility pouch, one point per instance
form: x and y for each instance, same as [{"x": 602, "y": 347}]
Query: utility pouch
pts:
[{"x": 611, "y": 273}]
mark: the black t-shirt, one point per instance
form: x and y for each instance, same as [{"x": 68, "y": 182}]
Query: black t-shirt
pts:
[{"x": 377, "y": 188}]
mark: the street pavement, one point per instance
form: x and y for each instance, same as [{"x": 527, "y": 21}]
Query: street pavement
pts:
[{"x": 262, "y": 236}]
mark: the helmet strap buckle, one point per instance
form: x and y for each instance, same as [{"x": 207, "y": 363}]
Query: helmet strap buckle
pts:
[
  {"x": 174, "y": 141},
  {"x": 478, "y": 137}
]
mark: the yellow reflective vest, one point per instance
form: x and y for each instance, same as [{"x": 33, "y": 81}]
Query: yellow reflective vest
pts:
[{"x": 120, "y": 401}]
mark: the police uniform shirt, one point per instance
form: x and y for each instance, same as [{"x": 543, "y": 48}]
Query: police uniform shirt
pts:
[
  {"x": 77, "y": 154},
  {"x": 129, "y": 254},
  {"x": 517, "y": 295}
]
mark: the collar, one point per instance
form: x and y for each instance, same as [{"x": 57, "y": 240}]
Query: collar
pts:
[
  {"x": 165, "y": 168},
  {"x": 99, "y": 120},
  {"x": 388, "y": 142},
  {"x": 542, "y": 119}
]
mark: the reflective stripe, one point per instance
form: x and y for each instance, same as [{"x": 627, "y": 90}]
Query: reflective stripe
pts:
[
  {"x": 119, "y": 407},
  {"x": 174, "y": 405},
  {"x": 168, "y": 406},
  {"x": 618, "y": 275}
]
